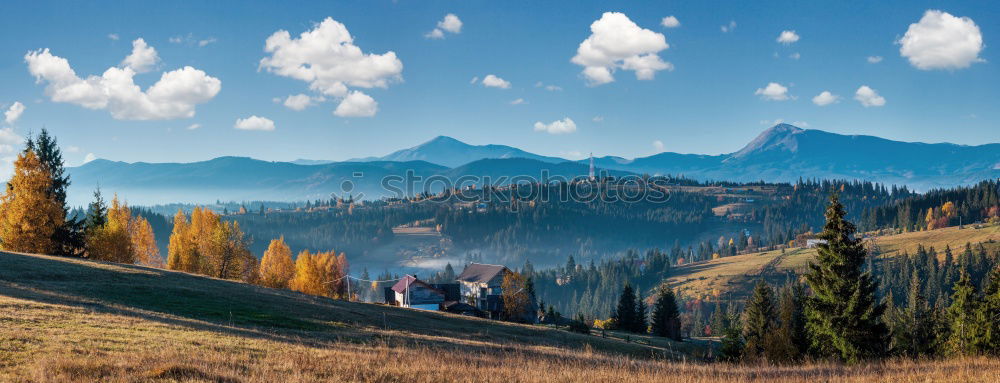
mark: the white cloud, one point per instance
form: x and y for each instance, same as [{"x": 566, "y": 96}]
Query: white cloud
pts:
[
  {"x": 254, "y": 123},
  {"x": 113, "y": 36},
  {"x": 566, "y": 125},
  {"x": 598, "y": 118},
  {"x": 495, "y": 82},
  {"x": 942, "y": 41},
  {"x": 175, "y": 95},
  {"x": 356, "y": 104},
  {"x": 474, "y": 80},
  {"x": 773, "y": 91},
  {"x": 450, "y": 24},
  {"x": 670, "y": 22},
  {"x": 176, "y": 40},
  {"x": 550, "y": 88},
  {"x": 89, "y": 157},
  {"x": 787, "y": 37},
  {"x": 327, "y": 59},
  {"x": 207, "y": 41},
  {"x": 868, "y": 97},
  {"x": 874, "y": 59},
  {"x": 14, "y": 113},
  {"x": 618, "y": 43},
  {"x": 518, "y": 102},
  {"x": 728, "y": 27},
  {"x": 825, "y": 98},
  {"x": 795, "y": 56},
  {"x": 658, "y": 145},
  {"x": 143, "y": 57},
  {"x": 9, "y": 140},
  {"x": 299, "y": 102},
  {"x": 194, "y": 127}
]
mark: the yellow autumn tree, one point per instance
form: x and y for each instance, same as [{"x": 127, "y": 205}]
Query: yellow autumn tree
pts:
[
  {"x": 307, "y": 277},
  {"x": 144, "y": 243},
  {"x": 29, "y": 214},
  {"x": 276, "y": 267},
  {"x": 181, "y": 252},
  {"x": 112, "y": 241}
]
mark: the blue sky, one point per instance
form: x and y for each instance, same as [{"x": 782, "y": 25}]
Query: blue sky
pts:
[{"x": 944, "y": 89}]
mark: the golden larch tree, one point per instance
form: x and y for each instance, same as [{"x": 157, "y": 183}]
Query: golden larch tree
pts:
[
  {"x": 29, "y": 214},
  {"x": 144, "y": 242},
  {"x": 307, "y": 277},
  {"x": 181, "y": 252},
  {"x": 276, "y": 267},
  {"x": 112, "y": 241}
]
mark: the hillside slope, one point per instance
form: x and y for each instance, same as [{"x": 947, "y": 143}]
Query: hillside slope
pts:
[{"x": 733, "y": 277}]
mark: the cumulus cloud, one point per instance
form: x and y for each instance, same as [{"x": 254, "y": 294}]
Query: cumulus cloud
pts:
[
  {"x": 942, "y": 41},
  {"x": 298, "y": 102},
  {"x": 618, "y": 43},
  {"x": 450, "y": 24},
  {"x": 787, "y": 37},
  {"x": 670, "y": 22},
  {"x": 825, "y": 98},
  {"x": 773, "y": 91},
  {"x": 566, "y": 125},
  {"x": 356, "y": 104},
  {"x": 658, "y": 145},
  {"x": 868, "y": 97},
  {"x": 254, "y": 123},
  {"x": 493, "y": 81},
  {"x": 327, "y": 59},
  {"x": 874, "y": 59},
  {"x": 728, "y": 27},
  {"x": 14, "y": 113},
  {"x": 174, "y": 96},
  {"x": 518, "y": 102},
  {"x": 143, "y": 57}
]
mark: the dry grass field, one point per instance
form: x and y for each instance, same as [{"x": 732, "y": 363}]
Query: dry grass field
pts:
[{"x": 70, "y": 320}]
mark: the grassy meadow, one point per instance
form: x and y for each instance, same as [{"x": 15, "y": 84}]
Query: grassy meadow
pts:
[{"x": 73, "y": 320}]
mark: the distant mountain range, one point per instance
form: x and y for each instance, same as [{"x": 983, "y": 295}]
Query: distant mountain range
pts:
[{"x": 783, "y": 153}]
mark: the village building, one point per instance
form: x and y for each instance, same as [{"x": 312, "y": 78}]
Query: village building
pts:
[
  {"x": 481, "y": 287},
  {"x": 412, "y": 292}
]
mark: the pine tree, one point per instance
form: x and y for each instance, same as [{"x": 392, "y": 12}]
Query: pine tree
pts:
[
  {"x": 624, "y": 313},
  {"x": 759, "y": 321},
  {"x": 666, "y": 316},
  {"x": 68, "y": 237},
  {"x": 641, "y": 313},
  {"x": 29, "y": 214},
  {"x": 991, "y": 312},
  {"x": 917, "y": 337},
  {"x": 276, "y": 267},
  {"x": 965, "y": 327},
  {"x": 843, "y": 317}
]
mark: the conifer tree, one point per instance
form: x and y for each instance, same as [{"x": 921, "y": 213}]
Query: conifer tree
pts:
[
  {"x": 791, "y": 340},
  {"x": 276, "y": 267},
  {"x": 966, "y": 336},
  {"x": 112, "y": 241},
  {"x": 97, "y": 212},
  {"x": 624, "y": 313},
  {"x": 991, "y": 312},
  {"x": 641, "y": 314},
  {"x": 843, "y": 317},
  {"x": 29, "y": 214},
  {"x": 308, "y": 277},
  {"x": 666, "y": 317},
  {"x": 144, "y": 242},
  {"x": 68, "y": 237},
  {"x": 182, "y": 253},
  {"x": 759, "y": 321},
  {"x": 917, "y": 335}
]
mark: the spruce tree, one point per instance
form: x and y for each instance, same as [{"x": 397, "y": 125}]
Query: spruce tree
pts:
[
  {"x": 918, "y": 335},
  {"x": 792, "y": 324},
  {"x": 758, "y": 321},
  {"x": 966, "y": 336},
  {"x": 991, "y": 312},
  {"x": 666, "y": 317},
  {"x": 624, "y": 313},
  {"x": 843, "y": 317},
  {"x": 641, "y": 311},
  {"x": 97, "y": 212},
  {"x": 68, "y": 237}
]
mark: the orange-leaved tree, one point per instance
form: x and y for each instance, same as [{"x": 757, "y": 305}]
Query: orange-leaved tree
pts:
[
  {"x": 29, "y": 214},
  {"x": 276, "y": 267}
]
